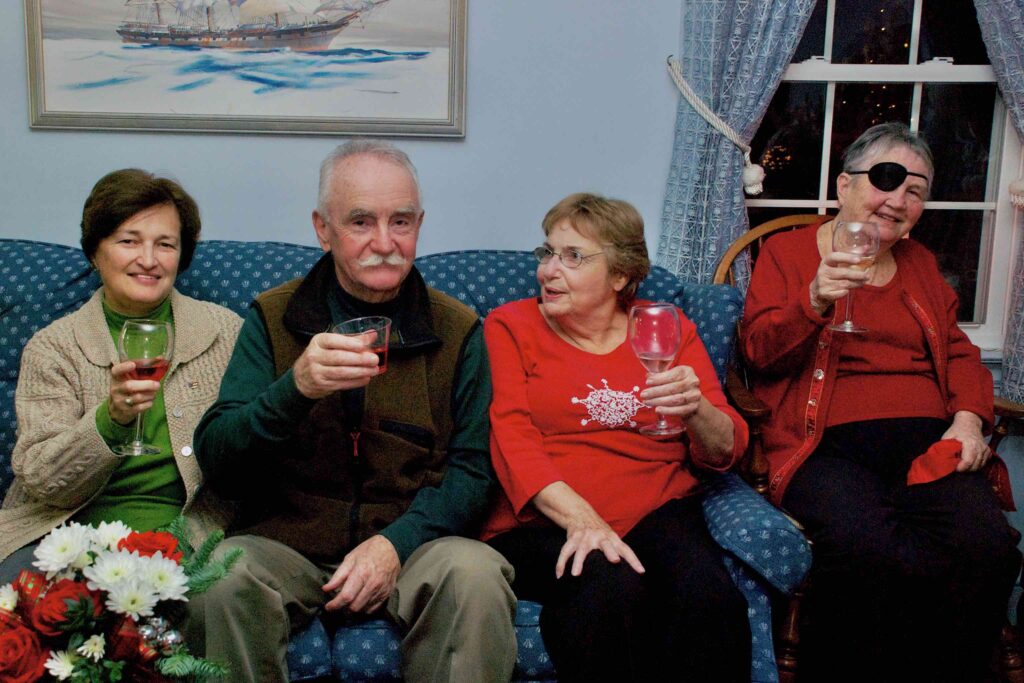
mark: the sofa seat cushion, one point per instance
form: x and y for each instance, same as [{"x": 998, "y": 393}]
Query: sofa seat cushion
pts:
[
  {"x": 369, "y": 650},
  {"x": 309, "y": 653}
]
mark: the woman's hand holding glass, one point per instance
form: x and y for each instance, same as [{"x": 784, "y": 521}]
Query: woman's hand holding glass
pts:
[
  {"x": 843, "y": 269},
  {"x": 129, "y": 397},
  {"x": 846, "y": 267},
  {"x": 674, "y": 392}
]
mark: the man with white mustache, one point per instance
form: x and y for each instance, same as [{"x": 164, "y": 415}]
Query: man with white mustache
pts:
[{"x": 357, "y": 488}]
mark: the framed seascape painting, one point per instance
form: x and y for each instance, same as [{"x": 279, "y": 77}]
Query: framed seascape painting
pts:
[{"x": 380, "y": 67}]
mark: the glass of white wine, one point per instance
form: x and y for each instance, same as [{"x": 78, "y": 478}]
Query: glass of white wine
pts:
[
  {"x": 655, "y": 335},
  {"x": 858, "y": 239}
]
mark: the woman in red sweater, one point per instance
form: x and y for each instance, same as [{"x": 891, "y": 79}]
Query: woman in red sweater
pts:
[
  {"x": 913, "y": 576},
  {"x": 601, "y": 522}
]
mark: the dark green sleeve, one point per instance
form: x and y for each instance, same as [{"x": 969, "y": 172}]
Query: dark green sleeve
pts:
[
  {"x": 456, "y": 507},
  {"x": 112, "y": 433},
  {"x": 254, "y": 413}
]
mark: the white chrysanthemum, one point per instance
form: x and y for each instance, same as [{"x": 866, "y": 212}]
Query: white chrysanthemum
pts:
[
  {"x": 131, "y": 597},
  {"x": 109, "y": 534},
  {"x": 8, "y": 597},
  {"x": 62, "y": 548},
  {"x": 164, "y": 576},
  {"x": 111, "y": 569},
  {"x": 61, "y": 664},
  {"x": 93, "y": 648}
]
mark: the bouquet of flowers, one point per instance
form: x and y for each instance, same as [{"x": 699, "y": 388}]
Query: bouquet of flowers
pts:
[{"x": 100, "y": 608}]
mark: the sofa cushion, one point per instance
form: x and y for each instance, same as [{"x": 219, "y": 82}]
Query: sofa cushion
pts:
[
  {"x": 309, "y": 653},
  {"x": 369, "y": 650},
  {"x": 39, "y": 282},
  {"x": 484, "y": 279}
]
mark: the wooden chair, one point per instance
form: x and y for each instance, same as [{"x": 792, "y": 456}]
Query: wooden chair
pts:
[{"x": 756, "y": 413}]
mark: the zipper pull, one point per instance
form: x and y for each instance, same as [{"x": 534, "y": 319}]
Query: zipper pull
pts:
[{"x": 355, "y": 444}]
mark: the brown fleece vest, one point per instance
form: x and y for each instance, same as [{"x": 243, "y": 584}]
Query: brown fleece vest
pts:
[{"x": 344, "y": 477}]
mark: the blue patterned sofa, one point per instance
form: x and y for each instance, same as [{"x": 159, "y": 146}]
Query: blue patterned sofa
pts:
[{"x": 40, "y": 282}]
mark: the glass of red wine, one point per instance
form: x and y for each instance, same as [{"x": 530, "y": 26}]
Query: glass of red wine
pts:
[
  {"x": 655, "y": 335},
  {"x": 374, "y": 330},
  {"x": 148, "y": 344}
]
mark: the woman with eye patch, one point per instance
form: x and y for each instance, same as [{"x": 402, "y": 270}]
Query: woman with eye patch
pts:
[
  {"x": 913, "y": 559},
  {"x": 603, "y": 524}
]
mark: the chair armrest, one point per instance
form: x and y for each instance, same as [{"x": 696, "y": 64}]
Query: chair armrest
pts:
[
  {"x": 755, "y": 532},
  {"x": 1005, "y": 411},
  {"x": 751, "y": 408},
  {"x": 756, "y": 413},
  {"x": 1004, "y": 407}
]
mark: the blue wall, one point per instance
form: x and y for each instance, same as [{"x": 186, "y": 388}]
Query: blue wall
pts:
[{"x": 562, "y": 95}]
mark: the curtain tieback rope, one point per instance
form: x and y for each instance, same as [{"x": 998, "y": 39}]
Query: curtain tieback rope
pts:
[{"x": 753, "y": 174}]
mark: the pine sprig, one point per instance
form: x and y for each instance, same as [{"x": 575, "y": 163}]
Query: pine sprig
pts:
[
  {"x": 204, "y": 578},
  {"x": 184, "y": 665},
  {"x": 202, "y": 556},
  {"x": 179, "y": 529}
]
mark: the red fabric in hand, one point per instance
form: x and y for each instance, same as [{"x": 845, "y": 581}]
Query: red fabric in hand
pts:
[{"x": 941, "y": 459}]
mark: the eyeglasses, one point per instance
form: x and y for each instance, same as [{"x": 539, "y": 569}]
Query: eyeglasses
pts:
[
  {"x": 570, "y": 258},
  {"x": 888, "y": 175}
]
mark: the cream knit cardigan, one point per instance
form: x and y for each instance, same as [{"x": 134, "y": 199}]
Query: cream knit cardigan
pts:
[{"x": 60, "y": 460}]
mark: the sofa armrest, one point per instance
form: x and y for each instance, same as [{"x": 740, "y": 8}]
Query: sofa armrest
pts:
[{"x": 755, "y": 532}]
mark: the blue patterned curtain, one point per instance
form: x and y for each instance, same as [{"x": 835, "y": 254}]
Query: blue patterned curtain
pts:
[
  {"x": 732, "y": 53},
  {"x": 1002, "y": 27}
]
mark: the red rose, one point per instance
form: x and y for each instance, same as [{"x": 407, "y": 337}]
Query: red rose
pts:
[
  {"x": 52, "y": 609},
  {"x": 22, "y": 659},
  {"x": 149, "y": 542}
]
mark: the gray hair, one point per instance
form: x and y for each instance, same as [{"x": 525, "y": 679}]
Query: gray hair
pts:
[
  {"x": 375, "y": 148},
  {"x": 882, "y": 138}
]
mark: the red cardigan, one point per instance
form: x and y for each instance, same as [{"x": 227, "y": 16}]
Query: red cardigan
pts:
[
  {"x": 794, "y": 357},
  {"x": 562, "y": 414}
]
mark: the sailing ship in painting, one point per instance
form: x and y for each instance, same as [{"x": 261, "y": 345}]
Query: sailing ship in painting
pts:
[{"x": 241, "y": 24}]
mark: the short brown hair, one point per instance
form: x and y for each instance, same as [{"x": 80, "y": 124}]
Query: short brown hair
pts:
[
  {"x": 119, "y": 195},
  {"x": 616, "y": 225}
]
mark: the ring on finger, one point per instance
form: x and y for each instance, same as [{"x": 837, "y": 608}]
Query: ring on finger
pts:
[{"x": 128, "y": 401}]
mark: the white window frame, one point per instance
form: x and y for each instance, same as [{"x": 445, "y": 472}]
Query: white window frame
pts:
[{"x": 1000, "y": 241}]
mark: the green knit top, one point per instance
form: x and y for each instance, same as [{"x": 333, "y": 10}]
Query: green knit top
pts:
[{"x": 144, "y": 491}]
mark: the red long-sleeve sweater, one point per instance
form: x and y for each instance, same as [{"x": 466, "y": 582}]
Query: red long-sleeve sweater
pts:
[
  {"x": 562, "y": 414},
  {"x": 794, "y": 357}
]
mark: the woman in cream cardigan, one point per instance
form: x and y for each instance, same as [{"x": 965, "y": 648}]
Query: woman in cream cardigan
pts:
[{"x": 75, "y": 399}]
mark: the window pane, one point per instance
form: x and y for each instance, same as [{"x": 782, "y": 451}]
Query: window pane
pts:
[
  {"x": 956, "y": 119},
  {"x": 858, "y": 106},
  {"x": 872, "y": 32},
  {"x": 955, "y": 239},
  {"x": 788, "y": 142},
  {"x": 812, "y": 42},
  {"x": 950, "y": 29}
]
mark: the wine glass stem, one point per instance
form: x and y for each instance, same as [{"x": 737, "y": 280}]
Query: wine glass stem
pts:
[
  {"x": 138, "y": 429},
  {"x": 849, "y": 307}
]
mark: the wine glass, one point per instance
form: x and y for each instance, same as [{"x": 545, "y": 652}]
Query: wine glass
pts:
[
  {"x": 655, "y": 335},
  {"x": 149, "y": 344},
  {"x": 861, "y": 240}
]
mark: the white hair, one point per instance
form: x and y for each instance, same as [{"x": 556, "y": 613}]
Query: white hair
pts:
[{"x": 375, "y": 148}]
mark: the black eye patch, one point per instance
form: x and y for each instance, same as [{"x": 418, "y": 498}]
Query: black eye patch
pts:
[{"x": 888, "y": 175}]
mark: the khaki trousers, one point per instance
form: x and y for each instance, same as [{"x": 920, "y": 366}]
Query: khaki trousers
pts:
[{"x": 452, "y": 602}]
